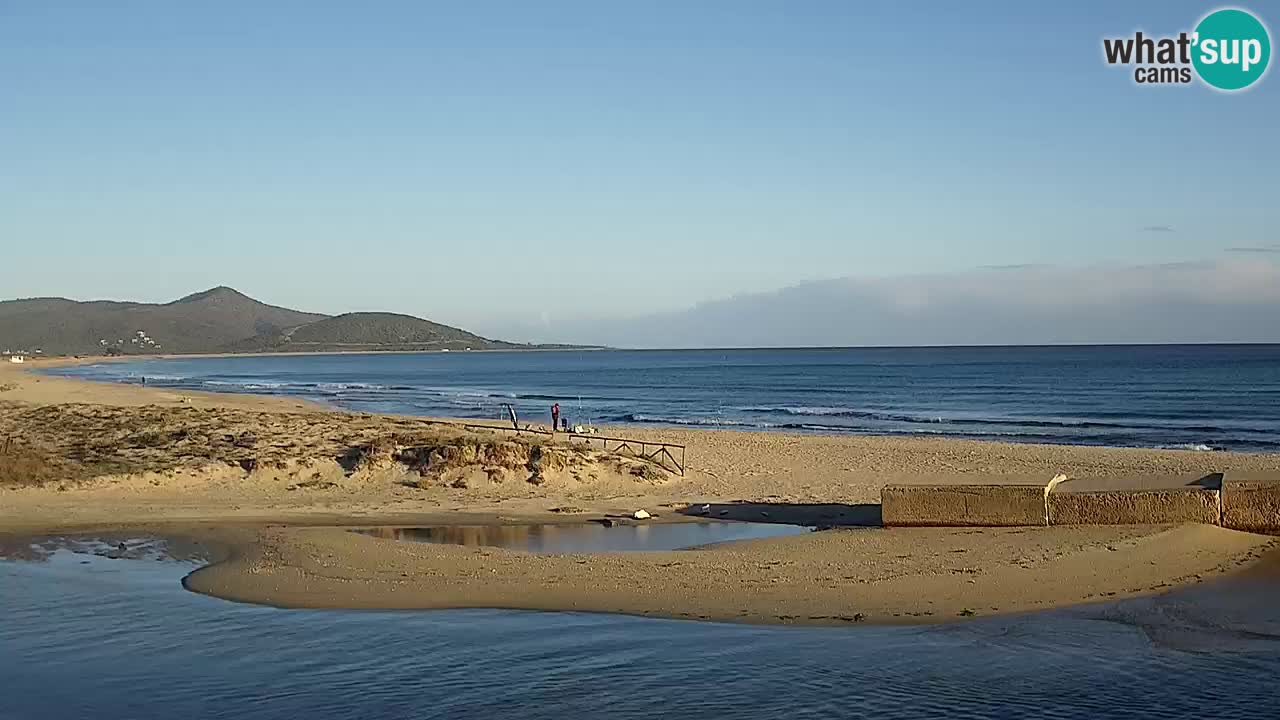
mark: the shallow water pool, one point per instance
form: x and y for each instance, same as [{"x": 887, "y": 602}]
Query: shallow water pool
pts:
[{"x": 588, "y": 537}]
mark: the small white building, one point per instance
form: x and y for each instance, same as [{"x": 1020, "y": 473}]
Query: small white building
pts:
[{"x": 17, "y": 359}]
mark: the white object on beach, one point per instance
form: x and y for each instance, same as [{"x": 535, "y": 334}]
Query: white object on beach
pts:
[
  {"x": 704, "y": 510},
  {"x": 641, "y": 515}
]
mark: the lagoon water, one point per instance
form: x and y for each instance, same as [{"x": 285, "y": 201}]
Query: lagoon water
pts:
[
  {"x": 1204, "y": 397},
  {"x": 589, "y": 537},
  {"x": 88, "y": 636}
]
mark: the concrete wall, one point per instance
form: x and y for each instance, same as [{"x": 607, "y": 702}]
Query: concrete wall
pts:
[
  {"x": 963, "y": 505},
  {"x": 1134, "y": 507},
  {"x": 1249, "y": 503}
]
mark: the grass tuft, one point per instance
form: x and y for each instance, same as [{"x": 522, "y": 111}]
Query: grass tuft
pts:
[{"x": 22, "y": 466}]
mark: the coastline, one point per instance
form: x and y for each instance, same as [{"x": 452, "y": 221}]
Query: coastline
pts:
[
  {"x": 1094, "y": 422},
  {"x": 874, "y": 574}
]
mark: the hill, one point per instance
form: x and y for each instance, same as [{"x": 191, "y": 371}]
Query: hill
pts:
[
  {"x": 372, "y": 331},
  {"x": 203, "y": 322},
  {"x": 216, "y": 320}
]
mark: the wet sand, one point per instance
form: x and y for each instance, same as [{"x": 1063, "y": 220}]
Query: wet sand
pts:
[
  {"x": 267, "y": 469},
  {"x": 829, "y": 577}
]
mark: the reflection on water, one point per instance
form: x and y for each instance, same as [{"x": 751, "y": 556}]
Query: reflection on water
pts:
[
  {"x": 588, "y": 538},
  {"x": 115, "y": 546},
  {"x": 119, "y": 638}
]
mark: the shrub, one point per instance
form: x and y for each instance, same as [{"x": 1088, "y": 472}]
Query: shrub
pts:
[{"x": 21, "y": 465}]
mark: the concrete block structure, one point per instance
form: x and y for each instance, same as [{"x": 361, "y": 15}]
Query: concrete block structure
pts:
[
  {"x": 1141, "y": 500},
  {"x": 1251, "y": 502},
  {"x": 1239, "y": 502},
  {"x": 1009, "y": 505}
]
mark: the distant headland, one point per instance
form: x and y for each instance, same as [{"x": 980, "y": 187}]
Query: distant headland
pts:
[{"x": 219, "y": 320}]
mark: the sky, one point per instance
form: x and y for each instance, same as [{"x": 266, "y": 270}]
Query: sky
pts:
[{"x": 534, "y": 170}]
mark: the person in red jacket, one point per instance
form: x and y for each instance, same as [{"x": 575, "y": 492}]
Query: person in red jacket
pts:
[{"x": 555, "y": 417}]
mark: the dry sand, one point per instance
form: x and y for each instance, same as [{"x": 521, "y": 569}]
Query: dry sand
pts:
[{"x": 183, "y": 462}]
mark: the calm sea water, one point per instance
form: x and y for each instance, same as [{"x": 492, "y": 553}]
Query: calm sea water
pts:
[
  {"x": 84, "y": 636},
  {"x": 1202, "y": 397}
]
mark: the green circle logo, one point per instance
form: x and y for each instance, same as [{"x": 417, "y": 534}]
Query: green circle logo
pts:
[{"x": 1232, "y": 49}]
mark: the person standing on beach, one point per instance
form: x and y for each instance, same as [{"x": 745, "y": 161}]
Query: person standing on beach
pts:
[{"x": 555, "y": 417}]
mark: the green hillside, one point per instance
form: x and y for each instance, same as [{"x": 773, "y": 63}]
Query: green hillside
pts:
[{"x": 216, "y": 320}]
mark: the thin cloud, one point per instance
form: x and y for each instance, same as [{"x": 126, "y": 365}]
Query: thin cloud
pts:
[
  {"x": 1158, "y": 228},
  {"x": 1231, "y": 299},
  {"x": 1020, "y": 266},
  {"x": 1255, "y": 249}
]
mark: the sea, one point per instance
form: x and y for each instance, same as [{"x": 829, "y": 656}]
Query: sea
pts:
[
  {"x": 92, "y": 632},
  {"x": 1200, "y": 397}
]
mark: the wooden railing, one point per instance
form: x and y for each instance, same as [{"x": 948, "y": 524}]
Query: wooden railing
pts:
[{"x": 661, "y": 454}]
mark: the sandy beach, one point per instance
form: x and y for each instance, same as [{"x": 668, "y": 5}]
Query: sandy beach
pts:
[{"x": 274, "y": 479}]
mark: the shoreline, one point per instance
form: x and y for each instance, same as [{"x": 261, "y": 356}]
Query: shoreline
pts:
[
  {"x": 71, "y": 360},
  {"x": 284, "y": 497},
  {"x": 687, "y": 430}
]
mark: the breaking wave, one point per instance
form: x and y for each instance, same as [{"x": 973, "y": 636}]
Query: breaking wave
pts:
[
  {"x": 996, "y": 421},
  {"x": 708, "y": 421}
]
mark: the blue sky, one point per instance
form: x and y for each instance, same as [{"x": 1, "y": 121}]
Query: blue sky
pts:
[{"x": 508, "y": 165}]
